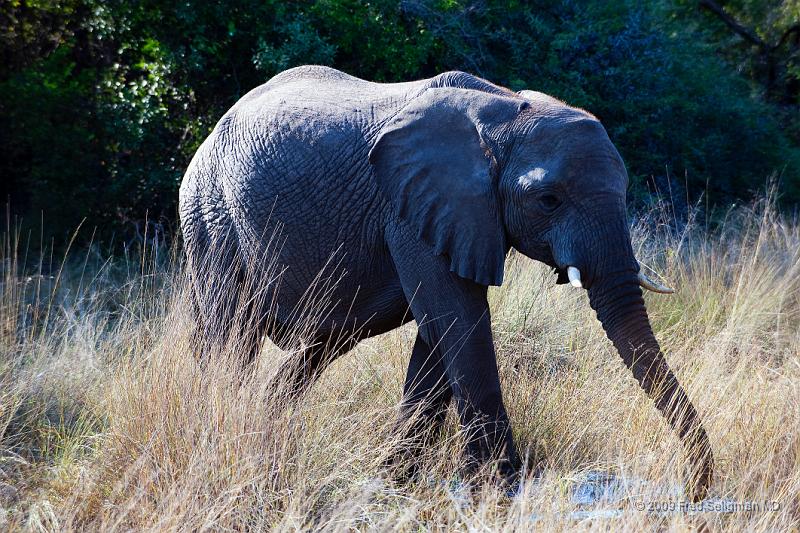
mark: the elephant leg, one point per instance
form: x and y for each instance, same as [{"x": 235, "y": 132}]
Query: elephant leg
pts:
[
  {"x": 427, "y": 392},
  {"x": 306, "y": 364},
  {"x": 452, "y": 314},
  {"x": 251, "y": 336},
  {"x": 226, "y": 306},
  {"x": 198, "y": 344},
  {"x": 219, "y": 325},
  {"x": 241, "y": 322},
  {"x": 426, "y": 395}
]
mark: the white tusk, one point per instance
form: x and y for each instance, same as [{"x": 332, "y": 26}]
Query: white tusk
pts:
[
  {"x": 574, "y": 276},
  {"x": 651, "y": 285}
]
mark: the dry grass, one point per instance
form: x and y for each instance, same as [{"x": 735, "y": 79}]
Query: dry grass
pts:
[{"x": 107, "y": 422}]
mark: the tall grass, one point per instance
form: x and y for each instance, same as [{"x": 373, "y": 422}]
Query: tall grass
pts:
[{"x": 109, "y": 422}]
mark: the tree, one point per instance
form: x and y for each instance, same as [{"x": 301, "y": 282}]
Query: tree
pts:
[{"x": 775, "y": 39}]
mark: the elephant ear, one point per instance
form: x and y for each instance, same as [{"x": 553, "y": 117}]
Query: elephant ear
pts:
[{"x": 433, "y": 166}]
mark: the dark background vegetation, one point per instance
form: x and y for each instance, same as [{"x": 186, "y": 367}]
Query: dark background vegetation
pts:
[{"x": 103, "y": 103}]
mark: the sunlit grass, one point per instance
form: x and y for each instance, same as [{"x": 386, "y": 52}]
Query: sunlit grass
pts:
[{"x": 108, "y": 421}]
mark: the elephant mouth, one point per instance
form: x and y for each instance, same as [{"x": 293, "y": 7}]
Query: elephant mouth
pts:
[
  {"x": 546, "y": 256},
  {"x": 566, "y": 273},
  {"x": 562, "y": 278}
]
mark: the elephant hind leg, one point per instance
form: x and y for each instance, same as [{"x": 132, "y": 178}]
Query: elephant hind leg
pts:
[
  {"x": 229, "y": 311},
  {"x": 226, "y": 328},
  {"x": 306, "y": 363}
]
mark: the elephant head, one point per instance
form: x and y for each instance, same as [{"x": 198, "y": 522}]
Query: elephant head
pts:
[{"x": 477, "y": 172}]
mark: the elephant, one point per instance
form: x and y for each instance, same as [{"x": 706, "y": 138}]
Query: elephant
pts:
[{"x": 400, "y": 202}]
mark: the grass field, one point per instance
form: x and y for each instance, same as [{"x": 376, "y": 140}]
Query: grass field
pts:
[{"x": 108, "y": 423}]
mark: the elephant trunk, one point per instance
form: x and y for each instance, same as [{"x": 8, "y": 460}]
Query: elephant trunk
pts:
[{"x": 617, "y": 300}]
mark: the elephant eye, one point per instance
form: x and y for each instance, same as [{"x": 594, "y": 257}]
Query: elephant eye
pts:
[{"x": 549, "y": 202}]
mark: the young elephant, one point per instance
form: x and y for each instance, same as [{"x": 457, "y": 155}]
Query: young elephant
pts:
[{"x": 407, "y": 197}]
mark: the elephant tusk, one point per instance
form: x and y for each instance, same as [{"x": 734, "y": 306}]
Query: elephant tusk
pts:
[
  {"x": 574, "y": 276},
  {"x": 651, "y": 285}
]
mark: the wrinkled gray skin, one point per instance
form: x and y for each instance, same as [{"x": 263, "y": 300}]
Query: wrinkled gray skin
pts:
[{"x": 415, "y": 192}]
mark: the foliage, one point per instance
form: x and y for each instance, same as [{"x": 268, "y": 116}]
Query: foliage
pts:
[
  {"x": 102, "y": 103},
  {"x": 762, "y": 38}
]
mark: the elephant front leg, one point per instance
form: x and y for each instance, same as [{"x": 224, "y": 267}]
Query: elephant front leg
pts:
[
  {"x": 473, "y": 376},
  {"x": 452, "y": 314}
]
